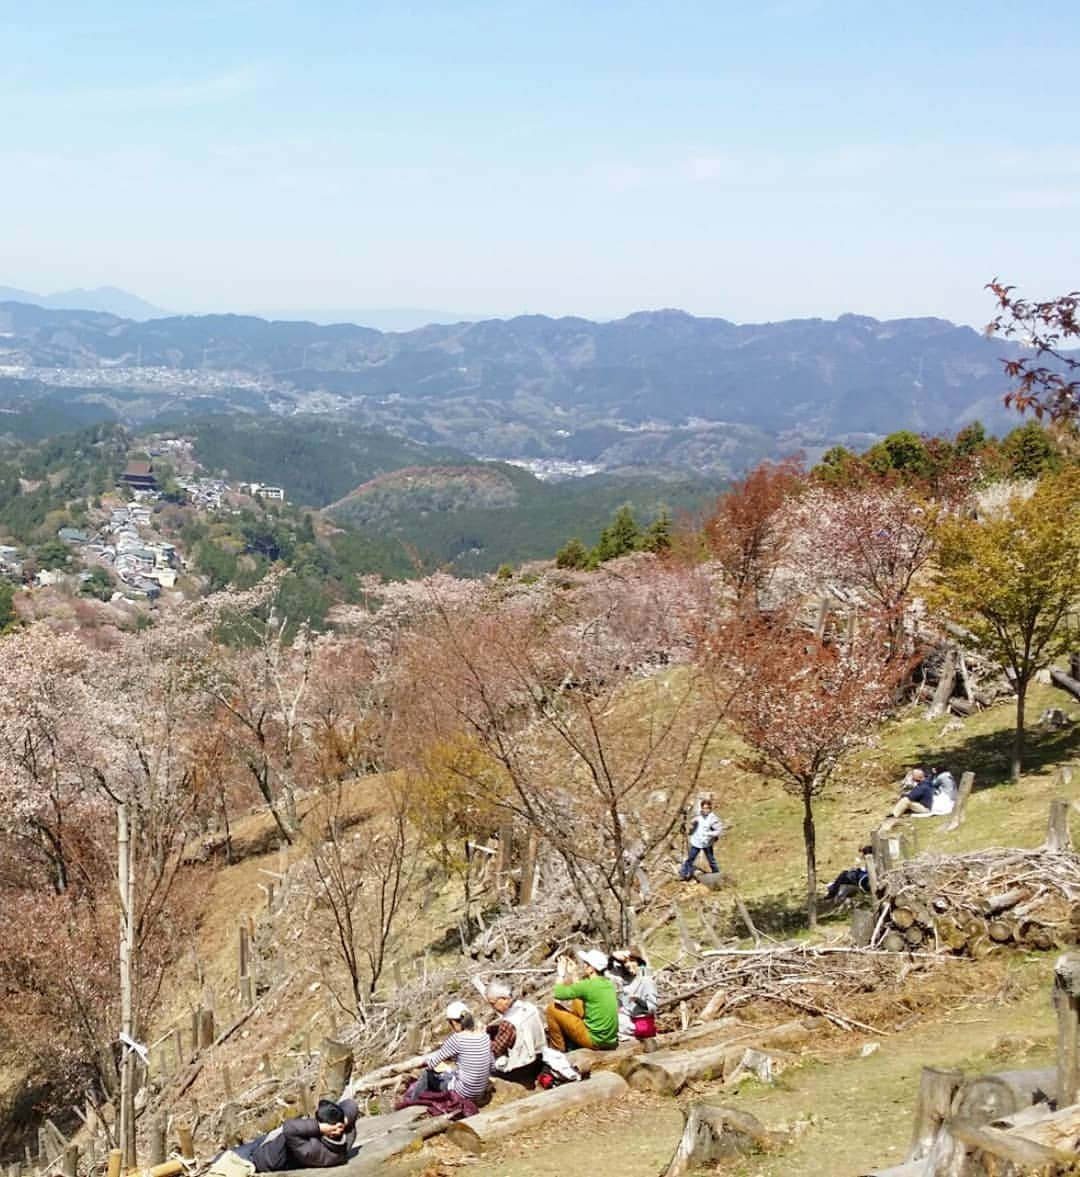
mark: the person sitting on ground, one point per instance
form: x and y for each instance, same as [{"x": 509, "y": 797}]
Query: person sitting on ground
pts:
[
  {"x": 517, "y": 1038},
  {"x": 945, "y": 792},
  {"x": 466, "y": 1085},
  {"x": 592, "y": 1019},
  {"x": 919, "y": 798},
  {"x": 705, "y": 828},
  {"x": 637, "y": 994},
  {"x": 305, "y": 1142},
  {"x": 850, "y": 882}
]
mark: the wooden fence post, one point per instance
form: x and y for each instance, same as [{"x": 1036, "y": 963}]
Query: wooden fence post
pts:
[
  {"x": 962, "y": 794},
  {"x": 1058, "y": 837},
  {"x": 936, "y": 1091},
  {"x": 528, "y": 869},
  {"x": 206, "y": 1028},
  {"x": 337, "y": 1065},
  {"x": 1067, "y": 1004},
  {"x": 157, "y": 1142}
]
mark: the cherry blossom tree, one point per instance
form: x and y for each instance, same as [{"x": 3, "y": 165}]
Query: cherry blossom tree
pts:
[
  {"x": 868, "y": 541},
  {"x": 597, "y": 752}
]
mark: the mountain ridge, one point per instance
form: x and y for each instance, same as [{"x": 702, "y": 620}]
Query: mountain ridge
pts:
[{"x": 661, "y": 388}]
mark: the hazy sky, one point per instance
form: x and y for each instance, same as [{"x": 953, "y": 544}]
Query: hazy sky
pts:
[{"x": 754, "y": 160}]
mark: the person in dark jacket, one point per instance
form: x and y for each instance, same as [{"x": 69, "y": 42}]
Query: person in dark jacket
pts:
[
  {"x": 919, "y": 798},
  {"x": 307, "y": 1142}
]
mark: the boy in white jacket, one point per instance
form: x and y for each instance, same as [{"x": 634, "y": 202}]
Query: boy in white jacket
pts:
[{"x": 704, "y": 830}]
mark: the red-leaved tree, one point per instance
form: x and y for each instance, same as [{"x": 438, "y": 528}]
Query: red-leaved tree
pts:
[
  {"x": 1046, "y": 381},
  {"x": 749, "y": 529},
  {"x": 800, "y": 705}
]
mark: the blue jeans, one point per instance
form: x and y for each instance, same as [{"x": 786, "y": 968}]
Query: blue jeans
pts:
[{"x": 687, "y": 868}]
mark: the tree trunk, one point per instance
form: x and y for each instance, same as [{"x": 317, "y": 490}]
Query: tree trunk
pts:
[
  {"x": 126, "y": 886},
  {"x": 810, "y": 841},
  {"x": 1018, "y": 735}
]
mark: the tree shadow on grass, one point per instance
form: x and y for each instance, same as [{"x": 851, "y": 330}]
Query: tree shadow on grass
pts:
[
  {"x": 989, "y": 754},
  {"x": 779, "y": 915}
]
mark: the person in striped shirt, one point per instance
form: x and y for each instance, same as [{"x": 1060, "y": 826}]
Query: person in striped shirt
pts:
[{"x": 469, "y": 1048}]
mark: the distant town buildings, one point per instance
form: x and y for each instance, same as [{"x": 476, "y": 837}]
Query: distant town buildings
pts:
[
  {"x": 261, "y": 490},
  {"x": 139, "y": 476}
]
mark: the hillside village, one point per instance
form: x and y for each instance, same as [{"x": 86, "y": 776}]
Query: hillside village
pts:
[{"x": 121, "y": 537}]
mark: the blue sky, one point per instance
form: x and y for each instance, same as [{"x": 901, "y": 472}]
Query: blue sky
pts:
[{"x": 751, "y": 160}]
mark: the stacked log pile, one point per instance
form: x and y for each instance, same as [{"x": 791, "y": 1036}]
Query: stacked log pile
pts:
[
  {"x": 960, "y": 681},
  {"x": 969, "y": 904}
]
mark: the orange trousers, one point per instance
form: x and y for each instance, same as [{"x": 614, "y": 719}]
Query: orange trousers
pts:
[{"x": 566, "y": 1027}]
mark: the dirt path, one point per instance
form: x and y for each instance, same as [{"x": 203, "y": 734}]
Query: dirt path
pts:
[{"x": 848, "y": 1114}]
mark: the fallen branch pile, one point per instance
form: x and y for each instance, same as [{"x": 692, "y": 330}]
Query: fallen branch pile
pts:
[
  {"x": 968, "y": 904},
  {"x": 823, "y": 980}
]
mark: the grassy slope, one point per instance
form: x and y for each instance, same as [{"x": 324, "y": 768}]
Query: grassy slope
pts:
[
  {"x": 763, "y": 849},
  {"x": 855, "y": 1110}
]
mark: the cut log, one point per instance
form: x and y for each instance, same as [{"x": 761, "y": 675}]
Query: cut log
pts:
[
  {"x": 862, "y": 926},
  {"x": 476, "y": 1132},
  {"x": 370, "y": 1128},
  {"x": 1004, "y": 1146},
  {"x": 903, "y": 918},
  {"x": 950, "y": 933},
  {"x": 1055, "y": 1129},
  {"x": 998, "y": 903},
  {"x": 374, "y": 1080},
  {"x": 1066, "y": 682},
  {"x": 962, "y": 707},
  {"x": 590, "y": 1061},
  {"x": 668, "y": 1071},
  {"x": 914, "y": 936},
  {"x": 979, "y": 947},
  {"x": 713, "y": 1133},
  {"x": 1000, "y": 931},
  {"x": 893, "y": 942},
  {"x": 1034, "y": 935},
  {"x": 1003, "y": 1093}
]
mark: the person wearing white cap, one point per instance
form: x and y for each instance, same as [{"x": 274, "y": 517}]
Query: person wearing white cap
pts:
[
  {"x": 470, "y": 1048},
  {"x": 592, "y": 1019}
]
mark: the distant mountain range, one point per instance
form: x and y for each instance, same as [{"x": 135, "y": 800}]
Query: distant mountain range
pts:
[
  {"x": 108, "y": 299},
  {"x": 381, "y": 318},
  {"x": 657, "y": 389},
  {"x": 113, "y": 301}
]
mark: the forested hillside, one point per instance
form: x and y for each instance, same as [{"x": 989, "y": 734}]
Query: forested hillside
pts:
[{"x": 656, "y": 388}]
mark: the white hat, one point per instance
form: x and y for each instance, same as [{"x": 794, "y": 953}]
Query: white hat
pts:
[
  {"x": 594, "y": 957},
  {"x": 456, "y": 1010}
]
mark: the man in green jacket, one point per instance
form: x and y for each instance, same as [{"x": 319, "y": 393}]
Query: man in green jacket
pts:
[{"x": 592, "y": 1019}]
